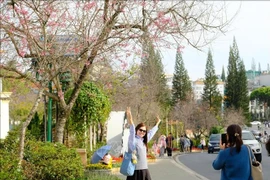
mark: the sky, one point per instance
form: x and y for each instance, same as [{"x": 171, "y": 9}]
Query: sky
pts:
[{"x": 251, "y": 29}]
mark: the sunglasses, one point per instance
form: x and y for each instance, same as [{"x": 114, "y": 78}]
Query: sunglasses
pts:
[{"x": 142, "y": 130}]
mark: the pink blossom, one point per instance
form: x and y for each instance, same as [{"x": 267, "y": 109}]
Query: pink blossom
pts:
[
  {"x": 53, "y": 23},
  {"x": 124, "y": 65},
  {"x": 42, "y": 53},
  {"x": 24, "y": 12},
  {"x": 89, "y": 5},
  {"x": 180, "y": 48},
  {"x": 24, "y": 42},
  {"x": 109, "y": 85},
  {"x": 49, "y": 9},
  {"x": 22, "y": 53},
  {"x": 144, "y": 55},
  {"x": 160, "y": 14},
  {"x": 143, "y": 3},
  {"x": 78, "y": 4},
  {"x": 60, "y": 93}
]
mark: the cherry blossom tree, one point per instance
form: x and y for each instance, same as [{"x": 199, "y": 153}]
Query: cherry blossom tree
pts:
[{"x": 44, "y": 39}]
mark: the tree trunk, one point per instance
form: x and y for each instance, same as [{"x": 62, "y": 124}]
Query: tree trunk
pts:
[
  {"x": 26, "y": 123},
  {"x": 101, "y": 132},
  {"x": 60, "y": 126},
  {"x": 85, "y": 133},
  {"x": 90, "y": 138},
  {"x": 95, "y": 135}
]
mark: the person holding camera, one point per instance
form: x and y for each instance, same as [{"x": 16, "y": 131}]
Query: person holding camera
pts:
[{"x": 233, "y": 157}]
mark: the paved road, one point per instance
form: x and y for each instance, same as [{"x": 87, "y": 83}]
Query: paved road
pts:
[
  {"x": 201, "y": 163},
  {"x": 195, "y": 166},
  {"x": 168, "y": 169}
]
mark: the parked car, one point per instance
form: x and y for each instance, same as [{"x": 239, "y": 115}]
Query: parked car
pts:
[
  {"x": 255, "y": 123},
  {"x": 257, "y": 134},
  {"x": 213, "y": 144},
  {"x": 249, "y": 139}
]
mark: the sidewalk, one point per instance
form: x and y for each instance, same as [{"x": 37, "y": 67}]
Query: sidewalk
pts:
[{"x": 169, "y": 168}]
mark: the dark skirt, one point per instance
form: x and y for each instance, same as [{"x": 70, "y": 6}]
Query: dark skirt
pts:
[{"x": 142, "y": 174}]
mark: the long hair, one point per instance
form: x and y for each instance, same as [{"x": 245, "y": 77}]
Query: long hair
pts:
[
  {"x": 234, "y": 133},
  {"x": 145, "y": 140},
  {"x": 267, "y": 146}
]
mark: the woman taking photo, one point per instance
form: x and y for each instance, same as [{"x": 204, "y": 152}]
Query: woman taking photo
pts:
[
  {"x": 233, "y": 158},
  {"x": 138, "y": 139}
]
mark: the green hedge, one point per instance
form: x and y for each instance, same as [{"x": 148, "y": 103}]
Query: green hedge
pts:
[
  {"x": 9, "y": 168},
  {"x": 45, "y": 160}
]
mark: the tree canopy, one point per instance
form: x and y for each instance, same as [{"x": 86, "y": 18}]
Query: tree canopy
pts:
[
  {"x": 181, "y": 88},
  {"x": 262, "y": 94}
]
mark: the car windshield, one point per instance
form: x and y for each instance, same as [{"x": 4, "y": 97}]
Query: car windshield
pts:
[
  {"x": 247, "y": 136},
  {"x": 214, "y": 137}
]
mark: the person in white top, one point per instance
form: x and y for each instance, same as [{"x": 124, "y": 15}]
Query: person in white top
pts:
[{"x": 202, "y": 142}]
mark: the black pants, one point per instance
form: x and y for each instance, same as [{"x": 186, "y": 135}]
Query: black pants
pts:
[{"x": 169, "y": 151}]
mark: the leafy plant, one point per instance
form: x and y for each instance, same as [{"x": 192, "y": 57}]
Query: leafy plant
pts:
[
  {"x": 92, "y": 175},
  {"x": 9, "y": 168},
  {"x": 98, "y": 166},
  {"x": 51, "y": 161}
]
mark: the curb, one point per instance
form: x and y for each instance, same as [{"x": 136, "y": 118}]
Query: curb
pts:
[{"x": 185, "y": 168}]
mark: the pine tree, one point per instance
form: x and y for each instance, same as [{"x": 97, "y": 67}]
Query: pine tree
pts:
[
  {"x": 259, "y": 68},
  {"x": 223, "y": 76},
  {"x": 181, "y": 88},
  {"x": 210, "y": 93},
  {"x": 243, "y": 102},
  {"x": 152, "y": 74},
  {"x": 236, "y": 92},
  {"x": 231, "y": 98}
]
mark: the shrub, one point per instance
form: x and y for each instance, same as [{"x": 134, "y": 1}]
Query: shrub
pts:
[
  {"x": 98, "y": 166},
  {"x": 9, "y": 158},
  {"x": 9, "y": 168},
  {"x": 99, "y": 176},
  {"x": 45, "y": 160}
]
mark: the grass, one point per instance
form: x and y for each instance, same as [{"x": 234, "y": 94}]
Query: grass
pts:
[{"x": 99, "y": 176}]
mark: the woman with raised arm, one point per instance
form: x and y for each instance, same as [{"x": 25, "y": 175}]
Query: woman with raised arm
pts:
[{"x": 138, "y": 138}]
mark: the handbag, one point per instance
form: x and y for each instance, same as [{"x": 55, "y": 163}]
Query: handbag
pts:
[
  {"x": 256, "y": 167},
  {"x": 127, "y": 167}
]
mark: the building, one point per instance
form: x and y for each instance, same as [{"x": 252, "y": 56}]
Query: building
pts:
[
  {"x": 169, "y": 78},
  {"x": 252, "y": 74},
  {"x": 257, "y": 109},
  {"x": 198, "y": 86}
]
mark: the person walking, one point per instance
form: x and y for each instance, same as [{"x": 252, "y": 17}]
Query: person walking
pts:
[
  {"x": 169, "y": 142},
  {"x": 187, "y": 144},
  {"x": 182, "y": 143},
  {"x": 202, "y": 142},
  {"x": 138, "y": 138},
  {"x": 162, "y": 145},
  {"x": 191, "y": 145},
  {"x": 155, "y": 148},
  {"x": 233, "y": 159}
]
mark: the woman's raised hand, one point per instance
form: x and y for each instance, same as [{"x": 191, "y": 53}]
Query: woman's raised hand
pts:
[
  {"x": 158, "y": 120},
  {"x": 129, "y": 116}
]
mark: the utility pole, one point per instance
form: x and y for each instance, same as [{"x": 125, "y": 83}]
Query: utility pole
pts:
[
  {"x": 0, "y": 107},
  {"x": 49, "y": 127}
]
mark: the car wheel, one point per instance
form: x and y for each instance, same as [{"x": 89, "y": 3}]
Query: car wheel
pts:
[
  {"x": 208, "y": 151},
  {"x": 258, "y": 157}
]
